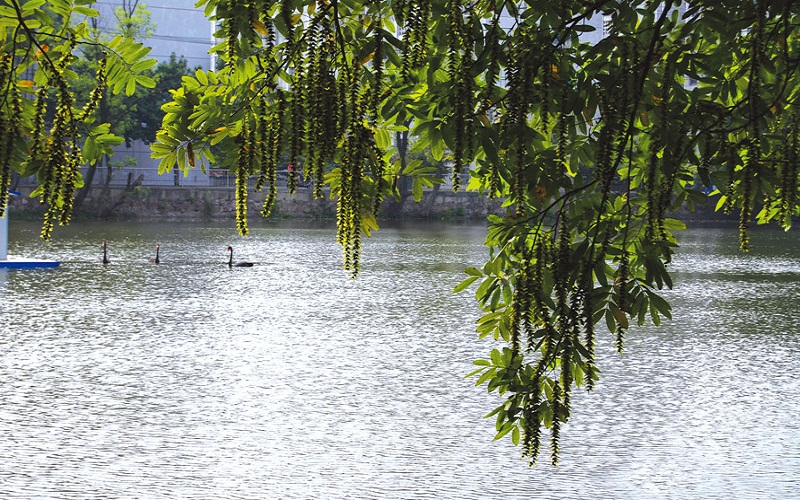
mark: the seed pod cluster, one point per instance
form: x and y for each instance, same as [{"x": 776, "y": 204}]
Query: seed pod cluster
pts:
[
  {"x": 415, "y": 37},
  {"x": 243, "y": 170},
  {"x": 61, "y": 153},
  {"x": 360, "y": 155},
  {"x": 791, "y": 157},
  {"x": 321, "y": 96},
  {"x": 97, "y": 92},
  {"x": 752, "y": 145},
  {"x": 460, "y": 62},
  {"x": 269, "y": 129},
  {"x": 9, "y": 126}
]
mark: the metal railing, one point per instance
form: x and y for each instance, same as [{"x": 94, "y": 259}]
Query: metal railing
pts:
[
  {"x": 215, "y": 178},
  {"x": 127, "y": 176}
]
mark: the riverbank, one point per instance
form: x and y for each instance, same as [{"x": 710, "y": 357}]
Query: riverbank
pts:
[
  {"x": 210, "y": 203},
  {"x": 178, "y": 203}
]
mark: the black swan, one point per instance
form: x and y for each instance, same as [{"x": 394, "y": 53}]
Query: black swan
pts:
[
  {"x": 237, "y": 264},
  {"x": 105, "y": 253},
  {"x": 156, "y": 259}
]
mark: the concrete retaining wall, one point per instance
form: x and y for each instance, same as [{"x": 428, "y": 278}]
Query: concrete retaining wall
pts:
[{"x": 187, "y": 203}]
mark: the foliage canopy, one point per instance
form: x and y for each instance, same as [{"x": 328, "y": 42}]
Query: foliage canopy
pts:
[
  {"x": 592, "y": 121},
  {"x": 53, "y": 136}
]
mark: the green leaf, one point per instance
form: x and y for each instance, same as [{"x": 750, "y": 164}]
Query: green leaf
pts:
[
  {"x": 487, "y": 375},
  {"x": 368, "y": 223},
  {"x": 497, "y": 358},
  {"x": 620, "y": 317},
  {"x": 660, "y": 305},
  {"x": 611, "y": 321},
  {"x": 412, "y": 167},
  {"x": 130, "y": 87},
  {"x": 143, "y": 65},
  {"x": 473, "y": 271},
  {"x": 145, "y": 81},
  {"x": 167, "y": 163},
  {"x": 465, "y": 284},
  {"x": 417, "y": 189},
  {"x": 505, "y": 429},
  {"x": 437, "y": 150}
]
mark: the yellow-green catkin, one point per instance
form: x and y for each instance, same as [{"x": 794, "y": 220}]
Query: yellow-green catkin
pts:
[
  {"x": 242, "y": 176},
  {"x": 9, "y": 127},
  {"x": 272, "y": 150},
  {"x": 97, "y": 93}
]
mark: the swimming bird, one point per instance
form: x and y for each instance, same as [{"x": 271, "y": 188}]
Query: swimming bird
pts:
[
  {"x": 105, "y": 253},
  {"x": 156, "y": 259},
  {"x": 237, "y": 264}
]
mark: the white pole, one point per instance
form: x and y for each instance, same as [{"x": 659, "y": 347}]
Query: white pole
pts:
[
  {"x": 213, "y": 62},
  {"x": 4, "y": 228},
  {"x": 4, "y": 236}
]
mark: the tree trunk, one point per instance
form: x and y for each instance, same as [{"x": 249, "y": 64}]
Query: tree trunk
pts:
[
  {"x": 392, "y": 207},
  {"x": 109, "y": 172},
  {"x": 109, "y": 208},
  {"x": 87, "y": 185},
  {"x": 15, "y": 178},
  {"x": 103, "y": 113}
]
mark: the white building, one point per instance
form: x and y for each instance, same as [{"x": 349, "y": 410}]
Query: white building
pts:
[{"x": 181, "y": 29}]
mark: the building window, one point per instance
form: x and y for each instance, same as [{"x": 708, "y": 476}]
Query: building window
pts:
[{"x": 607, "y": 22}]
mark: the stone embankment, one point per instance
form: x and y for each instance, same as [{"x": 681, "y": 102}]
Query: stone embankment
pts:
[{"x": 191, "y": 203}]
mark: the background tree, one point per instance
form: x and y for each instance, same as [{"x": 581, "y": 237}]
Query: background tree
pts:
[
  {"x": 416, "y": 170},
  {"x": 132, "y": 22},
  {"x": 142, "y": 111},
  {"x": 131, "y": 118},
  {"x": 52, "y": 139}
]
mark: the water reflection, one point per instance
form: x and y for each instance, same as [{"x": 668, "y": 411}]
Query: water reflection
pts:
[{"x": 288, "y": 380}]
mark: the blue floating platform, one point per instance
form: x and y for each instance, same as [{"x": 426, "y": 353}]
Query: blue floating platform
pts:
[
  {"x": 8, "y": 262},
  {"x": 19, "y": 263}
]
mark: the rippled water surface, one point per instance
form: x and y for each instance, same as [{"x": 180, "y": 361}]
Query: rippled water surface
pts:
[{"x": 288, "y": 380}]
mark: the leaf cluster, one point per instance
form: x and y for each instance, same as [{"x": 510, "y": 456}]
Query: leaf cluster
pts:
[
  {"x": 48, "y": 131},
  {"x": 592, "y": 122}
]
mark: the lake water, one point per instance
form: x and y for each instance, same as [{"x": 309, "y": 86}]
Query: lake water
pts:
[{"x": 289, "y": 380}]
